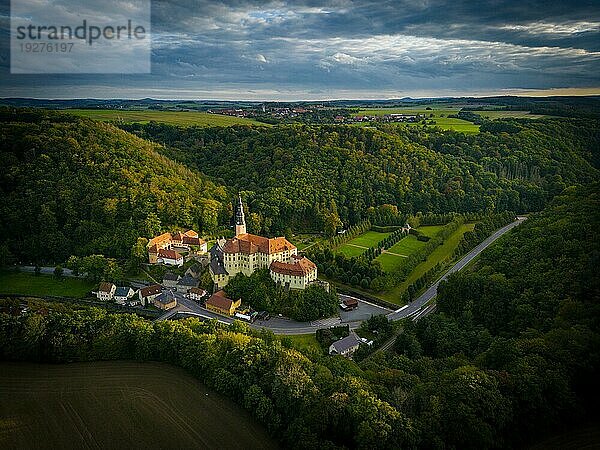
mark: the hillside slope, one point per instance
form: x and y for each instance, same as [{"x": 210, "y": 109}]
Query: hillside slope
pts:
[
  {"x": 76, "y": 186},
  {"x": 297, "y": 176}
]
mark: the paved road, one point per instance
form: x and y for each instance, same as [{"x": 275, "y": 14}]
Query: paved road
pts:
[
  {"x": 282, "y": 325},
  {"x": 47, "y": 270},
  {"x": 419, "y": 302}
]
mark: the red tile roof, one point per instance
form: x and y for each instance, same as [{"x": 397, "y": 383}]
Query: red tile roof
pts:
[
  {"x": 189, "y": 240},
  {"x": 250, "y": 243},
  {"x": 299, "y": 268},
  {"x": 170, "y": 254},
  {"x": 219, "y": 300},
  {"x": 151, "y": 290}
]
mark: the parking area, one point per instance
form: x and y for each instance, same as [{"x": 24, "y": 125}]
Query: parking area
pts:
[{"x": 364, "y": 311}]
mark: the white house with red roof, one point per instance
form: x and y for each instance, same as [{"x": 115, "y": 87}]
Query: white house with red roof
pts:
[{"x": 183, "y": 241}]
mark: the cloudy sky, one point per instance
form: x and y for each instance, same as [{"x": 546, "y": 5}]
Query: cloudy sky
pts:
[{"x": 244, "y": 49}]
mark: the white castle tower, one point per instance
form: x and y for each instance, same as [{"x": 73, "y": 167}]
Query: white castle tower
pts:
[{"x": 240, "y": 221}]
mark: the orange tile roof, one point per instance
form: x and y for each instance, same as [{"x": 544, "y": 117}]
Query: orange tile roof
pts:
[
  {"x": 251, "y": 243},
  {"x": 299, "y": 268},
  {"x": 219, "y": 300},
  {"x": 160, "y": 239},
  {"x": 191, "y": 233},
  {"x": 171, "y": 254}
]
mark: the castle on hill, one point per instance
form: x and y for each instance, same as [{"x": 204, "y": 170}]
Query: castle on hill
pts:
[{"x": 247, "y": 253}]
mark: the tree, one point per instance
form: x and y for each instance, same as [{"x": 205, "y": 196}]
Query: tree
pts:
[{"x": 58, "y": 271}]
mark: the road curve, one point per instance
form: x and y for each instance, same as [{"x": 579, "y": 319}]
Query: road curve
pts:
[{"x": 415, "y": 306}]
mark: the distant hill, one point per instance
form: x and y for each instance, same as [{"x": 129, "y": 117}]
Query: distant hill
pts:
[{"x": 76, "y": 186}]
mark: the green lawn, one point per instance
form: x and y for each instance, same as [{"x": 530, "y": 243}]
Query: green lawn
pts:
[
  {"x": 440, "y": 116},
  {"x": 439, "y": 254},
  {"x": 430, "y": 230},
  {"x": 405, "y": 246},
  {"x": 303, "y": 342},
  {"x": 359, "y": 244},
  {"x": 29, "y": 284},
  {"x": 183, "y": 118}
]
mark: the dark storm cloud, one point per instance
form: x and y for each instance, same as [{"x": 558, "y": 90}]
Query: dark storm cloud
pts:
[{"x": 404, "y": 47}]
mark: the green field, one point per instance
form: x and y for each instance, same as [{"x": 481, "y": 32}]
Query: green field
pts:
[
  {"x": 360, "y": 244},
  {"x": 29, "y": 284},
  {"x": 118, "y": 405},
  {"x": 306, "y": 343},
  {"x": 430, "y": 230},
  {"x": 439, "y": 254},
  {"x": 509, "y": 114},
  {"x": 390, "y": 260},
  {"x": 440, "y": 115},
  {"x": 183, "y": 118}
]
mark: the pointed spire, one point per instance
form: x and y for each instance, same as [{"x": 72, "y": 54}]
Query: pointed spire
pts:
[{"x": 240, "y": 220}]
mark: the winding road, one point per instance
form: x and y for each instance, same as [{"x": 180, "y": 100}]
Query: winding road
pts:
[
  {"x": 415, "y": 306},
  {"x": 281, "y": 325}
]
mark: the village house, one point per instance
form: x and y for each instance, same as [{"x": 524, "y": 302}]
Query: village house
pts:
[
  {"x": 106, "y": 291},
  {"x": 219, "y": 303},
  {"x": 197, "y": 294},
  {"x": 170, "y": 279},
  {"x": 148, "y": 293},
  {"x": 186, "y": 283},
  {"x": 195, "y": 270},
  {"x": 186, "y": 241},
  {"x": 123, "y": 294},
  {"x": 170, "y": 257},
  {"x": 346, "y": 346},
  {"x": 247, "y": 253},
  {"x": 164, "y": 301}
]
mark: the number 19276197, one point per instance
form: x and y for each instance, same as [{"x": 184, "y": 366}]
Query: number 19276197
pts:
[{"x": 46, "y": 47}]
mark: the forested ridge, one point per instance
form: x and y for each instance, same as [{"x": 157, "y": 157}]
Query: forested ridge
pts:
[
  {"x": 306, "y": 176},
  {"x": 512, "y": 355},
  {"x": 76, "y": 186}
]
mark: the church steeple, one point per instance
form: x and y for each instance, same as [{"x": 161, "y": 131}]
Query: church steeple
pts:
[{"x": 240, "y": 221}]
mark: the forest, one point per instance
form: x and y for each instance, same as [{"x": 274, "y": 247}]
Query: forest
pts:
[
  {"x": 317, "y": 177},
  {"x": 74, "y": 186},
  {"x": 511, "y": 356}
]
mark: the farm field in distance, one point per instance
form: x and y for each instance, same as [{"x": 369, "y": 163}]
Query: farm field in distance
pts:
[
  {"x": 182, "y": 118},
  {"x": 12, "y": 282},
  {"x": 509, "y": 114},
  {"x": 440, "y": 116},
  {"x": 118, "y": 404}
]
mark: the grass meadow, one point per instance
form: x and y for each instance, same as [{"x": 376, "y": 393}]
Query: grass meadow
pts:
[
  {"x": 182, "y": 118},
  {"x": 12, "y": 282}
]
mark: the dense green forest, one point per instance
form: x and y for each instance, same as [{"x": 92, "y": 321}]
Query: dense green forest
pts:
[
  {"x": 303, "y": 177},
  {"x": 511, "y": 356},
  {"x": 76, "y": 186},
  {"x": 73, "y": 186}
]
